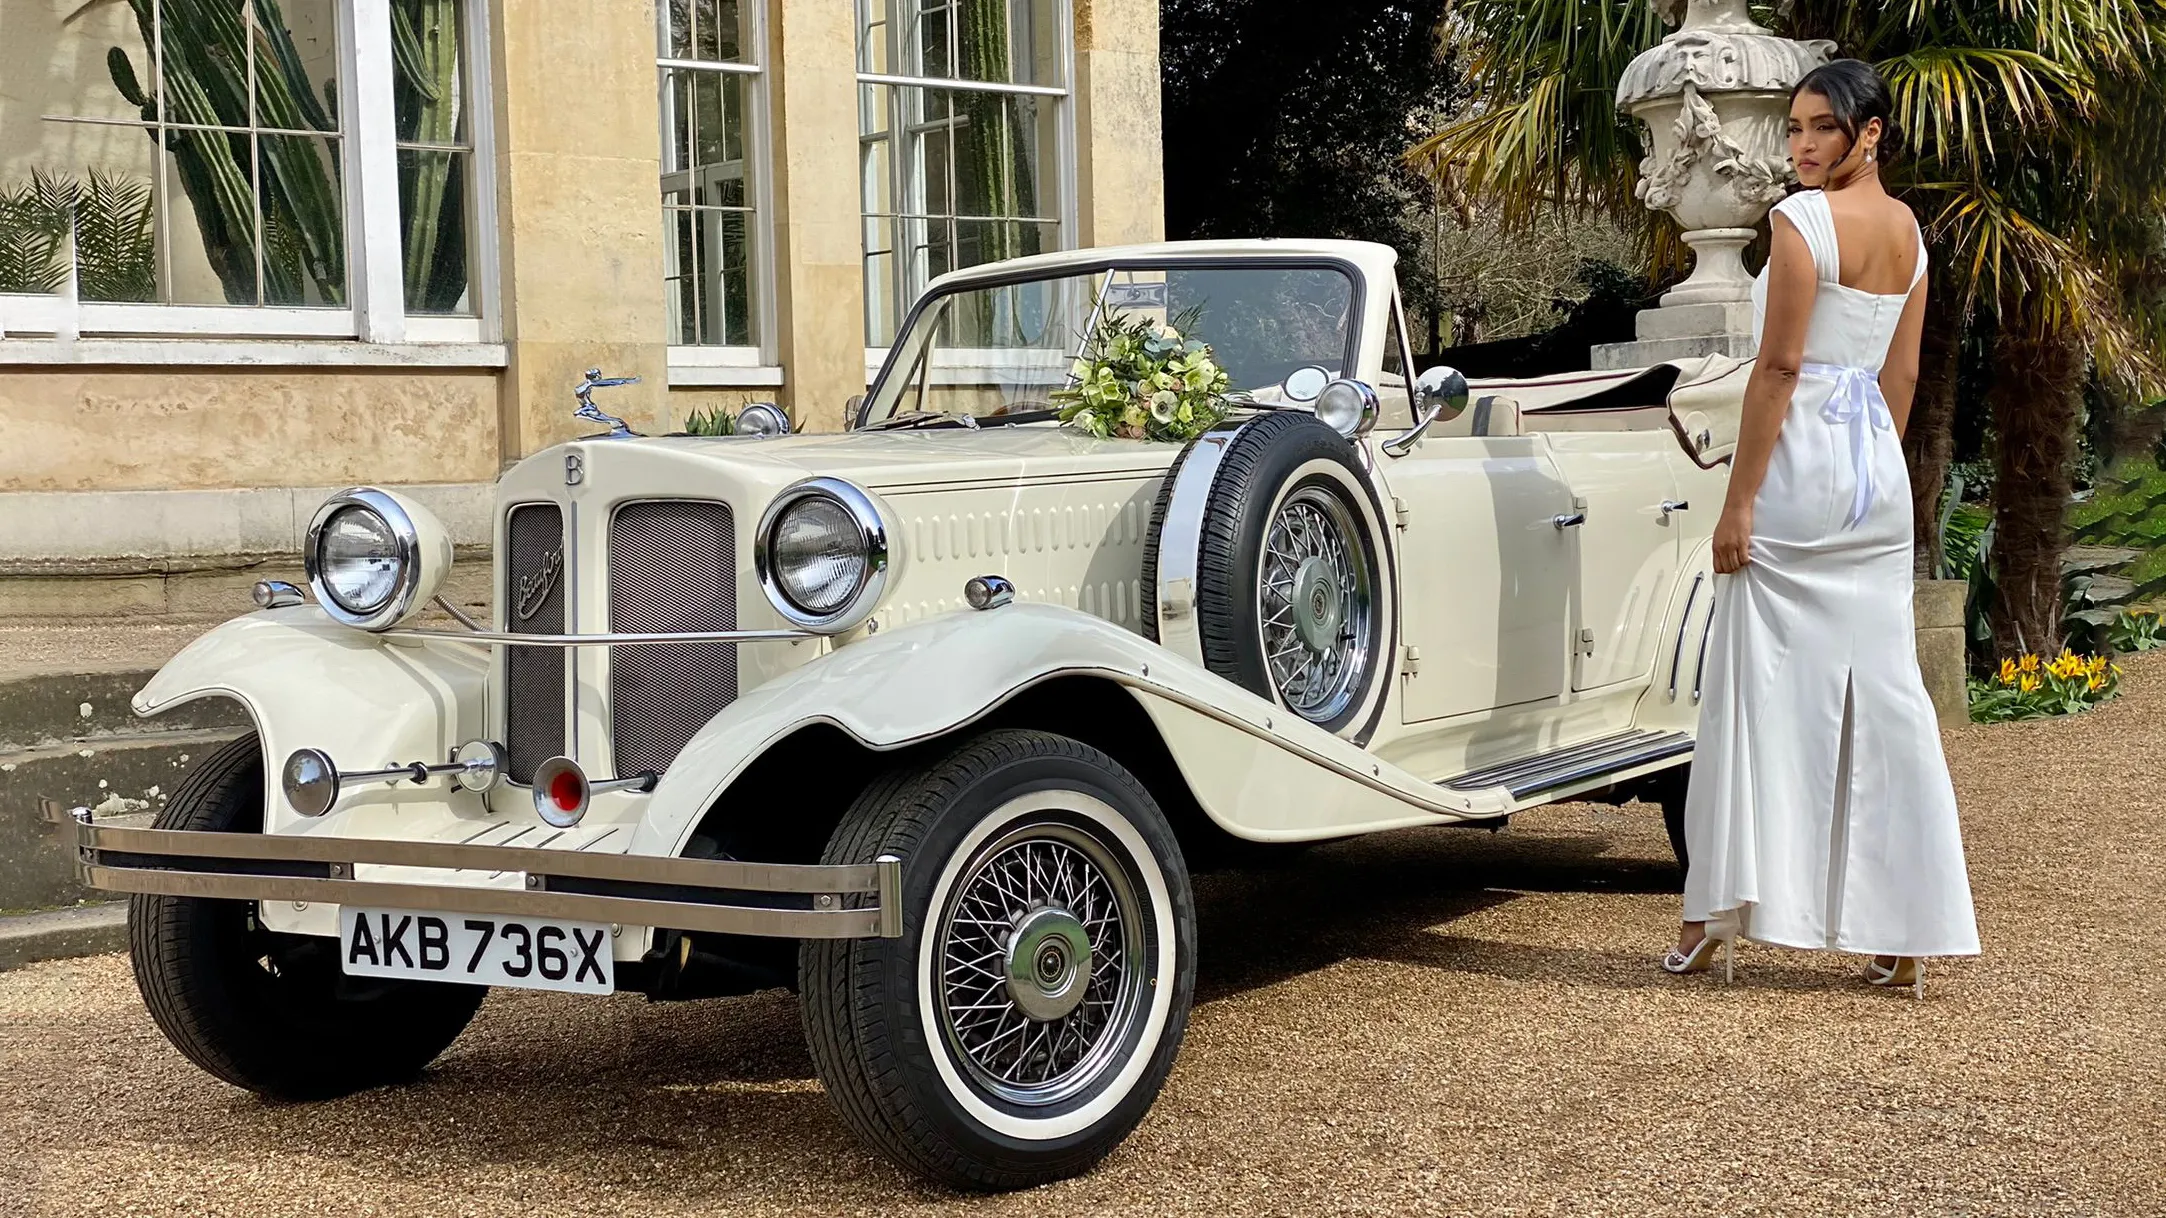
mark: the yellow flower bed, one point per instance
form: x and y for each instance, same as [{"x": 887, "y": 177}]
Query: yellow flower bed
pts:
[{"x": 2033, "y": 687}]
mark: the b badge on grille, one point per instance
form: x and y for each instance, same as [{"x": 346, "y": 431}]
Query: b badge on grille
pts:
[{"x": 535, "y": 588}]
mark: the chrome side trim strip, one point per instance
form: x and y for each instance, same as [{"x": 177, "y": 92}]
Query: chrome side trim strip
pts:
[
  {"x": 492, "y": 638},
  {"x": 1684, "y": 623},
  {"x": 1699, "y": 670}
]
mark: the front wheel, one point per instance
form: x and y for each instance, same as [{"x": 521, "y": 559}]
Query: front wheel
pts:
[
  {"x": 1028, "y": 1015},
  {"x": 267, "y": 1011}
]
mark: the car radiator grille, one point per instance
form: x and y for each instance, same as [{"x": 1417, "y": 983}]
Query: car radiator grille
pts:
[
  {"x": 672, "y": 567},
  {"x": 533, "y": 598}
]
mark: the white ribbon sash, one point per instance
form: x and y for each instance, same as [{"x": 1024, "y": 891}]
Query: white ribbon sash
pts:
[{"x": 1856, "y": 404}]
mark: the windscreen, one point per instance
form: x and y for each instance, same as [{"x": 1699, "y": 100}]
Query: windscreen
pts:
[{"x": 1000, "y": 351}]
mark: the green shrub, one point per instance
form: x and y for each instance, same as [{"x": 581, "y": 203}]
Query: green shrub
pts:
[
  {"x": 715, "y": 422},
  {"x": 2138, "y": 630}
]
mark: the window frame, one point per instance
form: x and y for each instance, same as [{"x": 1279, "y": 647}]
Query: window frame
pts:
[
  {"x": 897, "y": 138},
  {"x": 719, "y": 364},
  {"x": 375, "y": 309}
]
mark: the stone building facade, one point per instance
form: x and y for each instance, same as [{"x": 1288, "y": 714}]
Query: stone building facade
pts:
[{"x": 252, "y": 251}]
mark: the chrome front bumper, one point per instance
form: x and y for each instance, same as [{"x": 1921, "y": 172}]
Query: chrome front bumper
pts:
[{"x": 722, "y": 896}]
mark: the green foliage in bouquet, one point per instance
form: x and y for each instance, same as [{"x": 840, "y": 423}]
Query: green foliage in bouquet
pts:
[{"x": 1139, "y": 381}]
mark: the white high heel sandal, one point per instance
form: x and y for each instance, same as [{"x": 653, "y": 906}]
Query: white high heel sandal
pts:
[
  {"x": 1906, "y": 971},
  {"x": 1702, "y": 957}
]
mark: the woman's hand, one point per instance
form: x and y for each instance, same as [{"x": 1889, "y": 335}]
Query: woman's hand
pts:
[{"x": 1733, "y": 539}]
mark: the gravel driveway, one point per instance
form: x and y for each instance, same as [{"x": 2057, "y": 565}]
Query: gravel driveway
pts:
[{"x": 1441, "y": 1021}]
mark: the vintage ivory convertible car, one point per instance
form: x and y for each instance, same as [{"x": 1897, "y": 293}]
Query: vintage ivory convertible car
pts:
[{"x": 927, "y": 719}]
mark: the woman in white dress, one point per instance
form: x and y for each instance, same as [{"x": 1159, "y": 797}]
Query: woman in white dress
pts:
[{"x": 1820, "y": 814}]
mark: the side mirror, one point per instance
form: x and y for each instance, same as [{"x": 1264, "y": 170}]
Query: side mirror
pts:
[
  {"x": 1439, "y": 393},
  {"x": 1303, "y": 384},
  {"x": 853, "y": 411}
]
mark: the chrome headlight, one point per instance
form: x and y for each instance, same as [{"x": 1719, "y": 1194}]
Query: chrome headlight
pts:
[
  {"x": 1348, "y": 406},
  {"x": 822, "y": 555},
  {"x": 762, "y": 419},
  {"x": 374, "y": 558}
]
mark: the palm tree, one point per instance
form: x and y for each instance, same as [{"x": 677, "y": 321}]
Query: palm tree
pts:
[{"x": 2040, "y": 185}]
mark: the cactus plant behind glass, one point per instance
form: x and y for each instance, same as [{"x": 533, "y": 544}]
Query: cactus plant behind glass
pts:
[
  {"x": 432, "y": 194},
  {"x": 996, "y": 178},
  {"x": 205, "y": 56}
]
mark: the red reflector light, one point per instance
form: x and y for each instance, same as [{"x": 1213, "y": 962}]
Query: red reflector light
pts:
[
  {"x": 560, "y": 792},
  {"x": 567, "y": 790}
]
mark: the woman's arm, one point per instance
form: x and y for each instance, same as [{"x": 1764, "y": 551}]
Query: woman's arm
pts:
[
  {"x": 1792, "y": 284},
  {"x": 1899, "y": 376}
]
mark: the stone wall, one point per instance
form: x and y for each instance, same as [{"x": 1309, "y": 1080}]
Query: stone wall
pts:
[
  {"x": 166, "y": 428},
  {"x": 579, "y": 245}
]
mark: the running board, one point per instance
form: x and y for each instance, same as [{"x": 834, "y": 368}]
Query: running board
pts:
[{"x": 1579, "y": 763}]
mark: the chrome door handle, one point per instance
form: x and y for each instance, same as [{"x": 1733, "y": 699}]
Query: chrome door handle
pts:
[
  {"x": 1671, "y": 505},
  {"x": 1566, "y": 520}
]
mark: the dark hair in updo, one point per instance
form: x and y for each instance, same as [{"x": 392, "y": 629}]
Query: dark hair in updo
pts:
[{"x": 1857, "y": 95}]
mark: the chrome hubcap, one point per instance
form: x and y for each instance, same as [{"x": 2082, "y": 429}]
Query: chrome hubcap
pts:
[
  {"x": 1314, "y": 603},
  {"x": 1049, "y": 961},
  {"x": 1041, "y": 953},
  {"x": 1316, "y": 606}
]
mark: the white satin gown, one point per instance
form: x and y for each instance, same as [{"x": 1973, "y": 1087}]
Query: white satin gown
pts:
[{"x": 1820, "y": 814}]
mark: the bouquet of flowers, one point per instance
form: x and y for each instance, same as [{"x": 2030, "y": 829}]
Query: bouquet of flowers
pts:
[{"x": 1140, "y": 381}]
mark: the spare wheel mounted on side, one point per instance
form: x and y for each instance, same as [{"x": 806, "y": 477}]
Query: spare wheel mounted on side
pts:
[{"x": 1268, "y": 562}]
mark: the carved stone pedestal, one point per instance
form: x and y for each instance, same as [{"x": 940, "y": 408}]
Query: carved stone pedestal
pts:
[
  {"x": 1715, "y": 98},
  {"x": 1681, "y": 332}
]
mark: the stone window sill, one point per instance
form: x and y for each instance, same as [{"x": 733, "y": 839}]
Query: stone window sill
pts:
[{"x": 201, "y": 353}]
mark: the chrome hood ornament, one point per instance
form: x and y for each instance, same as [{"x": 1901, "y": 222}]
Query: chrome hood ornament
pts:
[{"x": 618, "y": 429}]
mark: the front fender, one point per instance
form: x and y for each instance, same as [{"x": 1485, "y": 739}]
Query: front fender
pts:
[
  {"x": 308, "y": 681},
  {"x": 1258, "y": 770}
]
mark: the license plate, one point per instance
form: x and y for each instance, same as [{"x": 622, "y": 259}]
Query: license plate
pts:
[{"x": 523, "y": 953}]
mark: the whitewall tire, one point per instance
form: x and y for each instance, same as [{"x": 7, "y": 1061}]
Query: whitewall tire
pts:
[{"x": 1027, "y": 1017}]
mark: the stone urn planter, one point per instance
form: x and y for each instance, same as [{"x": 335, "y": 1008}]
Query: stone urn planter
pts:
[
  {"x": 1937, "y": 607},
  {"x": 1715, "y": 97}
]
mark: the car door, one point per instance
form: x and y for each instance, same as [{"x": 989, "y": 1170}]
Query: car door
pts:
[
  {"x": 1485, "y": 573},
  {"x": 1627, "y": 547}
]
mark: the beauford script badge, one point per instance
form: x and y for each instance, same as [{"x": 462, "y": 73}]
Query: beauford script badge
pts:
[{"x": 535, "y": 588}]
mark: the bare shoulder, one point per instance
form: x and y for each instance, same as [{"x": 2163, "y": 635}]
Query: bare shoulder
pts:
[
  {"x": 1876, "y": 213},
  {"x": 1898, "y": 214}
]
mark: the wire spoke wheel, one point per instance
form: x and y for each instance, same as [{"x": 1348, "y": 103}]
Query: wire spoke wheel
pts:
[
  {"x": 1314, "y": 604},
  {"x": 1039, "y": 951}
]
